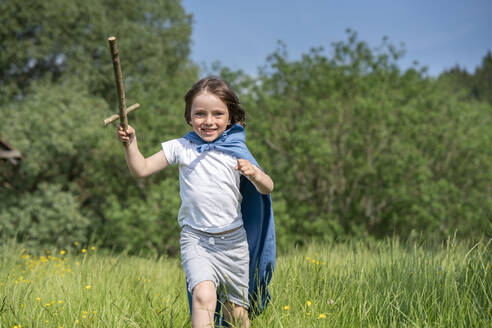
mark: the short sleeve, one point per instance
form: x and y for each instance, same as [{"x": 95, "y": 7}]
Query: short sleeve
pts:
[{"x": 172, "y": 149}]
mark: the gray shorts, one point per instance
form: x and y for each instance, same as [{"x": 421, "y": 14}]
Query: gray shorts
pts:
[{"x": 222, "y": 259}]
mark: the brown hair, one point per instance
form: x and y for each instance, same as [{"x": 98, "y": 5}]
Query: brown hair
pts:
[{"x": 223, "y": 91}]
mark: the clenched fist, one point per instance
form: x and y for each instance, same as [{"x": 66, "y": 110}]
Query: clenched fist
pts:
[
  {"x": 125, "y": 136},
  {"x": 247, "y": 169}
]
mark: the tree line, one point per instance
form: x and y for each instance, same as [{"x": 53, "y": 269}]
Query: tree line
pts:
[{"x": 357, "y": 147}]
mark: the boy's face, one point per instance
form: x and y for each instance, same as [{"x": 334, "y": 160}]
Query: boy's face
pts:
[{"x": 209, "y": 116}]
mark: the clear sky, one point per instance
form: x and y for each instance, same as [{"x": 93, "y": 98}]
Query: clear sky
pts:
[{"x": 437, "y": 33}]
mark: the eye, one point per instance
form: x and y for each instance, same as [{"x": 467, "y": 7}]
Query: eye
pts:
[{"x": 199, "y": 114}]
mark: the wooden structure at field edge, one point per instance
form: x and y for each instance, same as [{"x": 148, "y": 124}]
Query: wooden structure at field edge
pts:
[{"x": 9, "y": 154}]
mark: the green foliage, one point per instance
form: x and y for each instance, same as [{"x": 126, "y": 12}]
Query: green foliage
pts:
[
  {"x": 45, "y": 218},
  {"x": 476, "y": 86},
  {"x": 64, "y": 39},
  {"x": 146, "y": 223},
  {"x": 457, "y": 80},
  {"x": 57, "y": 128},
  {"x": 56, "y": 87},
  {"x": 356, "y": 147},
  {"x": 482, "y": 88}
]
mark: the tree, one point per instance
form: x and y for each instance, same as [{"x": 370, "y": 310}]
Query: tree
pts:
[
  {"x": 56, "y": 87},
  {"x": 59, "y": 39},
  {"x": 458, "y": 80},
  {"x": 357, "y": 147},
  {"x": 476, "y": 86},
  {"x": 482, "y": 86}
]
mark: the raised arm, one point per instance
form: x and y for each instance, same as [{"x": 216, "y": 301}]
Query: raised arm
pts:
[
  {"x": 262, "y": 182},
  {"x": 139, "y": 166}
]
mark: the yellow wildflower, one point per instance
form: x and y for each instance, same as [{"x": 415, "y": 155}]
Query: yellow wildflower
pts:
[
  {"x": 287, "y": 308},
  {"x": 322, "y": 316},
  {"x": 84, "y": 316},
  {"x": 38, "y": 299},
  {"x": 75, "y": 243},
  {"x": 93, "y": 248},
  {"x": 308, "y": 303},
  {"x": 60, "y": 302},
  {"x": 84, "y": 250},
  {"x": 88, "y": 287},
  {"x": 63, "y": 252}
]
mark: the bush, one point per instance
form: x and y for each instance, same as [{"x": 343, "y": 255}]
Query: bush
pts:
[
  {"x": 145, "y": 223},
  {"x": 44, "y": 218},
  {"x": 358, "y": 148}
]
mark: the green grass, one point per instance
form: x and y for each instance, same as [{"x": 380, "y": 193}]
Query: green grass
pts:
[{"x": 380, "y": 284}]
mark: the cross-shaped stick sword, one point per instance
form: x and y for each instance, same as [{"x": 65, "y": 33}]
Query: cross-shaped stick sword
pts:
[{"x": 118, "y": 77}]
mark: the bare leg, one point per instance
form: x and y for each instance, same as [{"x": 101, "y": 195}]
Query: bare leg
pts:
[
  {"x": 203, "y": 305},
  {"x": 236, "y": 314}
]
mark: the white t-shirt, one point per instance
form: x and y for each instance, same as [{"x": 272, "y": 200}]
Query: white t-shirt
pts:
[{"x": 209, "y": 187}]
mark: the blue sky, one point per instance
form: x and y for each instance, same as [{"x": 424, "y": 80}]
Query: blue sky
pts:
[{"x": 438, "y": 34}]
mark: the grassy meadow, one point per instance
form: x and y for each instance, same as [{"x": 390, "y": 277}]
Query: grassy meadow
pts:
[{"x": 377, "y": 284}]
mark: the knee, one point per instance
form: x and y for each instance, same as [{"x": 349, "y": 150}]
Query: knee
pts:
[{"x": 204, "y": 294}]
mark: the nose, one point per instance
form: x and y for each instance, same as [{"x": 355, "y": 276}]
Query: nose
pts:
[{"x": 208, "y": 119}]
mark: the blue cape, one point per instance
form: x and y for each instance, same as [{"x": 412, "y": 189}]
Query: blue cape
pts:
[{"x": 257, "y": 213}]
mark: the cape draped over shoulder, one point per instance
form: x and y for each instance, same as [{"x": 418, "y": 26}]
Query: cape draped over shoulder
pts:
[{"x": 258, "y": 221}]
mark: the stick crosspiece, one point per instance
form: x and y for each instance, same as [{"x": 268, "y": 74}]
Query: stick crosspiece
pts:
[{"x": 118, "y": 77}]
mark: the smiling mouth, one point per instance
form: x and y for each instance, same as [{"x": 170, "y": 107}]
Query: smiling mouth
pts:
[{"x": 209, "y": 131}]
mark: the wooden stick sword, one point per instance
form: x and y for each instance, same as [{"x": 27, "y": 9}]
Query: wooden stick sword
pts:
[{"x": 118, "y": 77}]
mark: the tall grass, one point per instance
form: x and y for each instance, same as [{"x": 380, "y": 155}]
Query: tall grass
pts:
[{"x": 378, "y": 284}]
